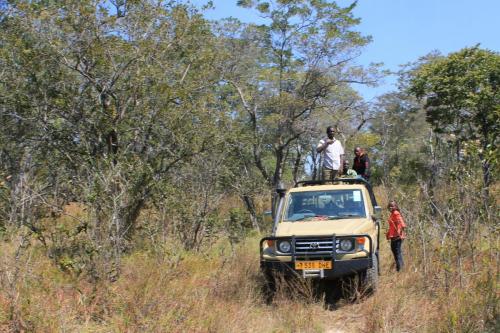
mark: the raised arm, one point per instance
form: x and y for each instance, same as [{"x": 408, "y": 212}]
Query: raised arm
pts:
[{"x": 322, "y": 145}]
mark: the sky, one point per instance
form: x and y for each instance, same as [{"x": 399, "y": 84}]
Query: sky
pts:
[{"x": 404, "y": 30}]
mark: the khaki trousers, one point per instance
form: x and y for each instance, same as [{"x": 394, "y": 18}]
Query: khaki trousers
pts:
[{"x": 328, "y": 174}]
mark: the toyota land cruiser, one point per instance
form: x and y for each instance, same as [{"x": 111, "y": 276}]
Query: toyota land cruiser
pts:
[{"x": 325, "y": 230}]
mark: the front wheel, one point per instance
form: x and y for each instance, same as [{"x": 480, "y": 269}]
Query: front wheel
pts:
[
  {"x": 369, "y": 278},
  {"x": 268, "y": 285}
]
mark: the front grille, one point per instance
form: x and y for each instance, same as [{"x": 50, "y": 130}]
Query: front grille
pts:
[
  {"x": 317, "y": 246},
  {"x": 314, "y": 246}
]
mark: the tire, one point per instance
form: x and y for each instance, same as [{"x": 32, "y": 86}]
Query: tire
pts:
[
  {"x": 332, "y": 291},
  {"x": 350, "y": 288},
  {"x": 268, "y": 286},
  {"x": 369, "y": 278}
]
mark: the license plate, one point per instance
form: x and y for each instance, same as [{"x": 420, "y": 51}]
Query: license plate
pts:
[{"x": 313, "y": 264}]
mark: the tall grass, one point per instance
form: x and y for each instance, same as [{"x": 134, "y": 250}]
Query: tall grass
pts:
[
  {"x": 451, "y": 279},
  {"x": 450, "y": 283},
  {"x": 211, "y": 292}
]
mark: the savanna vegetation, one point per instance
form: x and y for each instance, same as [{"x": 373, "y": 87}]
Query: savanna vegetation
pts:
[{"x": 140, "y": 144}]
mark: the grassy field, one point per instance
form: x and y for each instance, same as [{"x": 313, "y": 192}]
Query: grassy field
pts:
[
  {"x": 221, "y": 291},
  {"x": 449, "y": 284}
]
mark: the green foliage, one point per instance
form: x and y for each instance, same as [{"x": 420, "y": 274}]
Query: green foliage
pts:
[
  {"x": 72, "y": 252},
  {"x": 404, "y": 140},
  {"x": 285, "y": 74},
  {"x": 238, "y": 225},
  {"x": 99, "y": 106},
  {"x": 461, "y": 87},
  {"x": 462, "y": 97}
]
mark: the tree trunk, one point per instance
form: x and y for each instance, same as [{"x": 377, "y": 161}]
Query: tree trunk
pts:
[
  {"x": 278, "y": 170},
  {"x": 486, "y": 178},
  {"x": 485, "y": 131},
  {"x": 315, "y": 164},
  {"x": 250, "y": 206},
  {"x": 433, "y": 168},
  {"x": 20, "y": 205},
  {"x": 297, "y": 164}
]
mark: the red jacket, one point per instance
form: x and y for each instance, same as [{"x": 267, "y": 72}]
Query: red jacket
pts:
[{"x": 396, "y": 226}]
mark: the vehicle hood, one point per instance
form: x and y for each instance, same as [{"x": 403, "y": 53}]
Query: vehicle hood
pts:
[{"x": 322, "y": 227}]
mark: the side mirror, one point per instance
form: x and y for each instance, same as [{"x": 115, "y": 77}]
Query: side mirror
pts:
[{"x": 377, "y": 213}]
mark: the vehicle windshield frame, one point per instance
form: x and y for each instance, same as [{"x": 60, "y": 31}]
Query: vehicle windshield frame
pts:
[{"x": 319, "y": 208}]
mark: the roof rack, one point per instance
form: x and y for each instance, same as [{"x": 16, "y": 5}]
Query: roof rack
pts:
[{"x": 357, "y": 180}]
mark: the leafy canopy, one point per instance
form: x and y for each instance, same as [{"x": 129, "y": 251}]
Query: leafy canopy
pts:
[{"x": 461, "y": 93}]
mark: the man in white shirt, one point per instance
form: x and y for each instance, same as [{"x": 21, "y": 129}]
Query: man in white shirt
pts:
[{"x": 333, "y": 155}]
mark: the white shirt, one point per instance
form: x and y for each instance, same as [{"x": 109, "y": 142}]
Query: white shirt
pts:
[{"x": 331, "y": 154}]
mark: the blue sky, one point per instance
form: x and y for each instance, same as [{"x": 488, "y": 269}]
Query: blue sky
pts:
[{"x": 404, "y": 30}]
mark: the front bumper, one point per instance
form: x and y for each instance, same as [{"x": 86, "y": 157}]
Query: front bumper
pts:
[
  {"x": 340, "y": 268},
  {"x": 342, "y": 265}
]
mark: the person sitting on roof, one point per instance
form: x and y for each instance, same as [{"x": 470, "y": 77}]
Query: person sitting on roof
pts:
[{"x": 361, "y": 163}]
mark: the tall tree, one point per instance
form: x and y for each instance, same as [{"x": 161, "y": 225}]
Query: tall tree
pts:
[
  {"x": 462, "y": 97},
  {"x": 108, "y": 100},
  {"x": 285, "y": 70},
  {"x": 403, "y": 134}
]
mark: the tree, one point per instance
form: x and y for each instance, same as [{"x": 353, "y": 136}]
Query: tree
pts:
[
  {"x": 462, "y": 97},
  {"x": 284, "y": 73},
  {"x": 104, "y": 104},
  {"x": 401, "y": 153}
]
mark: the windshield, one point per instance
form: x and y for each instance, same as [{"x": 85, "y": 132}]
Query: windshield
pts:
[{"x": 325, "y": 205}]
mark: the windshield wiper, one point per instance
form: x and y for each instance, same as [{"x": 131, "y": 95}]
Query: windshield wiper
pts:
[
  {"x": 304, "y": 217},
  {"x": 308, "y": 217},
  {"x": 334, "y": 217}
]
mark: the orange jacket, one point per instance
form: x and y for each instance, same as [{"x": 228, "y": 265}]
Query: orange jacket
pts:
[{"x": 396, "y": 226}]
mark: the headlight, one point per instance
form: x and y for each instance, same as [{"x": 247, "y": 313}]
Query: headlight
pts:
[
  {"x": 284, "y": 246},
  {"x": 346, "y": 245}
]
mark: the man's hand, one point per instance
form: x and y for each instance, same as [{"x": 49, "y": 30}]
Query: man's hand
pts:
[{"x": 324, "y": 145}]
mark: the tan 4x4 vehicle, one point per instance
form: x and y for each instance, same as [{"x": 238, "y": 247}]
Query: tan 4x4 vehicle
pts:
[{"x": 325, "y": 230}]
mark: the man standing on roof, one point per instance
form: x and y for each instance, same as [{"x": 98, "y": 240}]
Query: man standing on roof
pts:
[{"x": 333, "y": 155}]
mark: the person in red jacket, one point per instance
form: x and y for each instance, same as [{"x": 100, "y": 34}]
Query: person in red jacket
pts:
[{"x": 396, "y": 233}]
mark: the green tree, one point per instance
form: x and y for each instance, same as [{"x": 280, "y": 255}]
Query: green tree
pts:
[
  {"x": 462, "y": 97},
  {"x": 102, "y": 103},
  {"x": 285, "y": 73},
  {"x": 402, "y": 151}
]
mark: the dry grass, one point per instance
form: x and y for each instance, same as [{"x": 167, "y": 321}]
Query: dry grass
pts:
[
  {"x": 218, "y": 292},
  {"x": 400, "y": 304},
  {"x": 195, "y": 293},
  {"x": 170, "y": 290}
]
